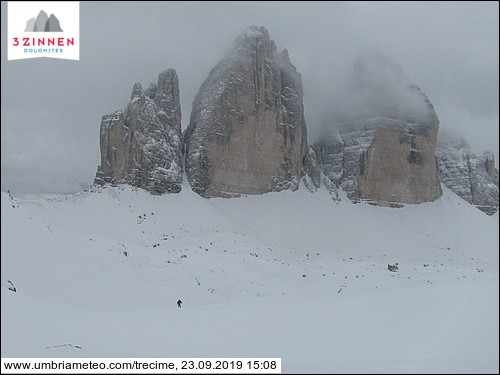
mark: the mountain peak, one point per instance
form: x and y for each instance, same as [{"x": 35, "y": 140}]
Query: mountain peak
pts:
[
  {"x": 142, "y": 145},
  {"x": 255, "y": 32},
  {"x": 247, "y": 133},
  {"x": 254, "y": 41}
]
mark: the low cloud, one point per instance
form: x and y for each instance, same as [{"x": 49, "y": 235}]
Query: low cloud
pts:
[{"x": 51, "y": 110}]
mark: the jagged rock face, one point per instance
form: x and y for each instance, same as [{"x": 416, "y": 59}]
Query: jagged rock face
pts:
[
  {"x": 247, "y": 133},
  {"x": 312, "y": 171},
  {"x": 382, "y": 150},
  {"x": 399, "y": 167},
  {"x": 142, "y": 146},
  {"x": 473, "y": 178}
]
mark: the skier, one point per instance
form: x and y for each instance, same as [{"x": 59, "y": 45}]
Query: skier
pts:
[{"x": 179, "y": 303}]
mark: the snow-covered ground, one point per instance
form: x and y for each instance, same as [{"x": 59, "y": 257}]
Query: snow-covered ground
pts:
[{"x": 290, "y": 275}]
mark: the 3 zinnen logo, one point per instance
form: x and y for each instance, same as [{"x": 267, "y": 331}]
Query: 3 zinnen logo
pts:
[{"x": 43, "y": 29}]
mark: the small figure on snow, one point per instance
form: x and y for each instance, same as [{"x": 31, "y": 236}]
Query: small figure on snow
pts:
[{"x": 179, "y": 303}]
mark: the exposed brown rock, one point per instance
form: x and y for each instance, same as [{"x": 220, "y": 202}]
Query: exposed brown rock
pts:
[
  {"x": 396, "y": 170},
  {"x": 247, "y": 133},
  {"x": 142, "y": 146},
  {"x": 382, "y": 138}
]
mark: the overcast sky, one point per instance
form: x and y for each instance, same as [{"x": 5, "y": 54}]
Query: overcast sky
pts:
[{"x": 51, "y": 109}]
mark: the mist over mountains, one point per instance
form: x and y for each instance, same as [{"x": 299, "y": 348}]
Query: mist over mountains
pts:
[
  {"x": 248, "y": 134},
  {"x": 449, "y": 50},
  {"x": 366, "y": 249}
]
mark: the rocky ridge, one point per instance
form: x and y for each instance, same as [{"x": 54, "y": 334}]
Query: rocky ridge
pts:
[
  {"x": 381, "y": 149},
  {"x": 473, "y": 178},
  {"x": 247, "y": 135},
  {"x": 142, "y": 146}
]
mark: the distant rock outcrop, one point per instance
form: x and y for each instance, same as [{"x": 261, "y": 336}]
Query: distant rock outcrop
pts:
[
  {"x": 381, "y": 141},
  {"x": 473, "y": 178},
  {"x": 142, "y": 146},
  {"x": 247, "y": 133},
  {"x": 312, "y": 171}
]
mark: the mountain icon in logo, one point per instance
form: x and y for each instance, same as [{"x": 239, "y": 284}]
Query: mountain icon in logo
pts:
[{"x": 43, "y": 23}]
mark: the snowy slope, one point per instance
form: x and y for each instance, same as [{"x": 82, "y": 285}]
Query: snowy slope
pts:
[{"x": 290, "y": 275}]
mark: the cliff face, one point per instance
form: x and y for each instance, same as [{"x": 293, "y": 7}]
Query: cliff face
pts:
[
  {"x": 142, "y": 145},
  {"x": 473, "y": 178},
  {"x": 399, "y": 166},
  {"x": 381, "y": 149},
  {"x": 247, "y": 133}
]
